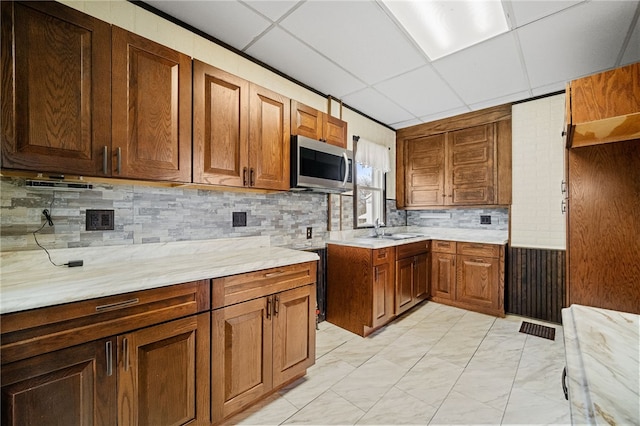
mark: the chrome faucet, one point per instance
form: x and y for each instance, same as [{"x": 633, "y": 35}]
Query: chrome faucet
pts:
[{"x": 377, "y": 224}]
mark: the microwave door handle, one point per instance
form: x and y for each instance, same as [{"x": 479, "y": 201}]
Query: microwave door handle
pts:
[{"x": 346, "y": 168}]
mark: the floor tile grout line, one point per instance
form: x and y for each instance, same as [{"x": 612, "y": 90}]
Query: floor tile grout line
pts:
[{"x": 504, "y": 412}]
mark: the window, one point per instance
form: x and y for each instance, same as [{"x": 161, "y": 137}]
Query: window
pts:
[{"x": 370, "y": 195}]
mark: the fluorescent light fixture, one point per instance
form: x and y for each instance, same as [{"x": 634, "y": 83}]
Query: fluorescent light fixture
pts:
[{"x": 442, "y": 27}]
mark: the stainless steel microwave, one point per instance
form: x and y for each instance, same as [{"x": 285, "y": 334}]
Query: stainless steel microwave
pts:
[{"x": 320, "y": 167}]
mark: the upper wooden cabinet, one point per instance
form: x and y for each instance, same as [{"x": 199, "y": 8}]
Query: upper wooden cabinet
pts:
[
  {"x": 310, "y": 122},
  {"x": 56, "y": 89},
  {"x": 604, "y": 107},
  {"x": 151, "y": 113},
  {"x": 462, "y": 161},
  {"x": 241, "y": 132}
]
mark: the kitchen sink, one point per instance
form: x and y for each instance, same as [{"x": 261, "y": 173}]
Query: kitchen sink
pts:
[{"x": 395, "y": 236}]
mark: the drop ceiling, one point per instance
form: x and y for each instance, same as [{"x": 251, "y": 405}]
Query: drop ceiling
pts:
[{"x": 355, "y": 51}]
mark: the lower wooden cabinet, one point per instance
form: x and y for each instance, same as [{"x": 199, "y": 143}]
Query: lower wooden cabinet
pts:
[
  {"x": 360, "y": 287},
  {"x": 412, "y": 275},
  {"x": 261, "y": 344},
  {"x": 468, "y": 275}
]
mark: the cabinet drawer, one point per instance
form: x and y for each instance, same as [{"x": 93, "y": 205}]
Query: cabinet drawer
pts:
[
  {"x": 412, "y": 249},
  {"x": 38, "y": 331},
  {"x": 477, "y": 249},
  {"x": 240, "y": 288},
  {"x": 383, "y": 255},
  {"x": 443, "y": 246}
]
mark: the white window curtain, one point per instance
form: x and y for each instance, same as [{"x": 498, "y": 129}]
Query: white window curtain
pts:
[{"x": 373, "y": 155}]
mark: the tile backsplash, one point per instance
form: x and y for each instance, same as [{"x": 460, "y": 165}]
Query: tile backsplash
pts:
[{"x": 150, "y": 214}]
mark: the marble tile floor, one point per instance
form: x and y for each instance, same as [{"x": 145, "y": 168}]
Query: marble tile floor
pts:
[{"x": 434, "y": 365}]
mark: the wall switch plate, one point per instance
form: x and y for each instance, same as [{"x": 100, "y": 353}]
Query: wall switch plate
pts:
[
  {"x": 485, "y": 220},
  {"x": 99, "y": 220},
  {"x": 309, "y": 232},
  {"x": 239, "y": 219}
]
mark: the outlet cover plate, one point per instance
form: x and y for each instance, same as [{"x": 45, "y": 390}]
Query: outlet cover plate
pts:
[
  {"x": 239, "y": 219},
  {"x": 485, "y": 220},
  {"x": 99, "y": 220}
]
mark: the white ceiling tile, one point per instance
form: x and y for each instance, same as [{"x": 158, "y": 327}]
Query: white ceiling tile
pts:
[
  {"x": 377, "y": 106},
  {"x": 549, "y": 88},
  {"x": 501, "y": 100},
  {"x": 220, "y": 19},
  {"x": 485, "y": 71},
  {"x": 421, "y": 92},
  {"x": 357, "y": 35},
  {"x": 408, "y": 123},
  {"x": 272, "y": 9},
  {"x": 444, "y": 114},
  {"x": 289, "y": 55},
  {"x": 578, "y": 41},
  {"x": 528, "y": 11},
  {"x": 632, "y": 54}
]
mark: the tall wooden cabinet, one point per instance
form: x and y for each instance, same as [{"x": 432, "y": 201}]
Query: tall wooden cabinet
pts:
[
  {"x": 241, "y": 131},
  {"x": 360, "y": 287},
  {"x": 56, "y": 89},
  {"x": 461, "y": 161},
  {"x": 314, "y": 124}
]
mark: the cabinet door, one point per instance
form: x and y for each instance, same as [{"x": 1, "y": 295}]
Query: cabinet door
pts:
[
  {"x": 220, "y": 126},
  {"x": 477, "y": 279},
  {"x": 334, "y": 131},
  {"x": 75, "y": 386},
  {"x": 56, "y": 89},
  {"x": 269, "y": 134},
  {"x": 294, "y": 343},
  {"x": 151, "y": 98},
  {"x": 383, "y": 294},
  {"x": 421, "y": 277},
  {"x": 162, "y": 373},
  {"x": 306, "y": 121},
  {"x": 471, "y": 166},
  {"x": 424, "y": 168},
  {"x": 404, "y": 284},
  {"x": 241, "y": 361},
  {"x": 443, "y": 275}
]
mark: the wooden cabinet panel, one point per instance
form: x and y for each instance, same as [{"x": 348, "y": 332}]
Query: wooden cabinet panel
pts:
[
  {"x": 56, "y": 89},
  {"x": 383, "y": 294},
  {"x": 404, "y": 284},
  {"x": 424, "y": 168},
  {"x": 74, "y": 386},
  {"x": 314, "y": 124},
  {"x": 241, "y": 359},
  {"x": 476, "y": 281},
  {"x": 444, "y": 246},
  {"x": 421, "y": 277},
  {"x": 269, "y": 139},
  {"x": 161, "y": 371},
  {"x": 471, "y": 166},
  {"x": 151, "y": 114},
  {"x": 294, "y": 343},
  {"x": 335, "y": 131},
  {"x": 220, "y": 126},
  {"x": 412, "y": 275},
  {"x": 443, "y": 275}
]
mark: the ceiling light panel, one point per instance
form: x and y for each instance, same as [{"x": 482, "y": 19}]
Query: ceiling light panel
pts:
[{"x": 444, "y": 27}]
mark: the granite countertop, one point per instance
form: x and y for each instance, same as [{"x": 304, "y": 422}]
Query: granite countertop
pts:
[
  {"x": 28, "y": 280},
  {"x": 362, "y": 238},
  {"x": 603, "y": 370}
]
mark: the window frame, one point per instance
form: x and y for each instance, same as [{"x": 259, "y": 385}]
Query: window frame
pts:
[{"x": 357, "y": 187}]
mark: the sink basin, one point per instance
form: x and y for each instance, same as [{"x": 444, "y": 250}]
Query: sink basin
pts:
[{"x": 395, "y": 236}]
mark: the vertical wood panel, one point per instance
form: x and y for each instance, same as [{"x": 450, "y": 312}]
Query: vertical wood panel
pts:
[{"x": 536, "y": 283}]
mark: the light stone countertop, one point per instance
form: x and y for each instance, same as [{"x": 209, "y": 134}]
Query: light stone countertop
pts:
[
  {"x": 361, "y": 238},
  {"x": 28, "y": 280},
  {"x": 603, "y": 370}
]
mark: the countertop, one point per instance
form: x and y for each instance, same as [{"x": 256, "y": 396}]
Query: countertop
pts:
[
  {"x": 603, "y": 370},
  {"x": 362, "y": 238},
  {"x": 28, "y": 280}
]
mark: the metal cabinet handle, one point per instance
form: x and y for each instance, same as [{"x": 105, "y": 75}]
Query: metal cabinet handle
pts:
[
  {"x": 268, "y": 307},
  {"x": 346, "y": 168},
  {"x": 109, "y": 355},
  {"x": 563, "y": 186},
  {"x": 119, "y": 168},
  {"x": 244, "y": 176},
  {"x": 276, "y": 305},
  {"x": 252, "y": 180},
  {"x": 105, "y": 158},
  {"x": 565, "y": 390},
  {"x": 125, "y": 352},
  {"x": 563, "y": 206}
]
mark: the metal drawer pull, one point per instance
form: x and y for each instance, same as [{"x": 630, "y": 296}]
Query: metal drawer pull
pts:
[
  {"x": 119, "y": 160},
  {"x": 565, "y": 390},
  {"x": 117, "y": 305},
  {"x": 268, "y": 307},
  {"x": 109, "y": 353},
  {"x": 104, "y": 159},
  {"x": 274, "y": 274},
  {"x": 244, "y": 176},
  {"x": 276, "y": 305}
]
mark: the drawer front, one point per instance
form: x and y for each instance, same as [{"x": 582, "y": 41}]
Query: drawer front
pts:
[
  {"x": 478, "y": 249},
  {"x": 383, "y": 255},
  {"x": 242, "y": 287},
  {"x": 441, "y": 246},
  {"x": 38, "y": 331},
  {"x": 413, "y": 249}
]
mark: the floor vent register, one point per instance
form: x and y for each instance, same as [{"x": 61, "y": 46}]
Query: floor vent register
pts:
[{"x": 538, "y": 330}]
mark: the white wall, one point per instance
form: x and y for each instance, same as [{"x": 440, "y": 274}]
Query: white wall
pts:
[
  {"x": 538, "y": 170},
  {"x": 137, "y": 20}
]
